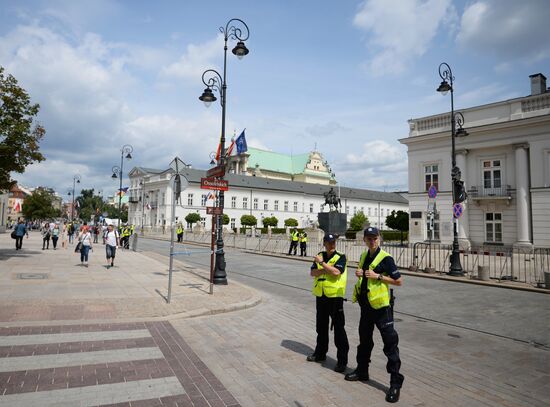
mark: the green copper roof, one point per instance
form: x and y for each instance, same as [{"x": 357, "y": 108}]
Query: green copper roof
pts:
[{"x": 270, "y": 161}]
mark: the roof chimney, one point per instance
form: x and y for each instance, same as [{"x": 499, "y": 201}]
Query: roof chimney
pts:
[{"x": 538, "y": 84}]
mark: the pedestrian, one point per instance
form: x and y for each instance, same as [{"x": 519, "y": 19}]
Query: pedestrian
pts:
[
  {"x": 329, "y": 270},
  {"x": 293, "y": 242},
  {"x": 179, "y": 232},
  {"x": 20, "y": 230},
  {"x": 85, "y": 237},
  {"x": 55, "y": 235},
  {"x": 303, "y": 243},
  {"x": 96, "y": 232},
  {"x": 112, "y": 240},
  {"x": 70, "y": 232},
  {"x": 376, "y": 271},
  {"x": 64, "y": 235},
  {"x": 46, "y": 234}
]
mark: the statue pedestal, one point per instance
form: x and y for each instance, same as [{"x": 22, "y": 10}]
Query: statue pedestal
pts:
[{"x": 333, "y": 222}]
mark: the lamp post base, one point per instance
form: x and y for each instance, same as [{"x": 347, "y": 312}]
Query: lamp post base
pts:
[
  {"x": 220, "y": 276},
  {"x": 456, "y": 267}
]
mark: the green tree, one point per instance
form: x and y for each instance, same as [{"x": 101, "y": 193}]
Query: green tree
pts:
[
  {"x": 270, "y": 221},
  {"x": 91, "y": 205},
  {"x": 249, "y": 220},
  {"x": 398, "y": 220},
  {"x": 192, "y": 217},
  {"x": 19, "y": 137},
  {"x": 39, "y": 205},
  {"x": 291, "y": 222},
  {"x": 113, "y": 212},
  {"x": 358, "y": 221},
  {"x": 225, "y": 219}
]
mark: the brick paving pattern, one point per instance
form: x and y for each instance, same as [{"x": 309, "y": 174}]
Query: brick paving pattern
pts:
[{"x": 177, "y": 378}]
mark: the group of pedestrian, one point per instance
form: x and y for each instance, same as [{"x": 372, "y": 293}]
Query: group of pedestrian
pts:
[
  {"x": 295, "y": 239},
  {"x": 376, "y": 271}
]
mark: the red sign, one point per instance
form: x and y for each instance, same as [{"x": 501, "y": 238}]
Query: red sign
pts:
[
  {"x": 218, "y": 171},
  {"x": 214, "y": 210},
  {"x": 215, "y": 184}
]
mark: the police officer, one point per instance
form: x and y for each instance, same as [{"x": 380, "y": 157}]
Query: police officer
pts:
[
  {"x": 376, "y": 271},
  {"x": 329, "y": 270},
  {"x": 179, "y": 232},
  {"x": 302, "y": 237},
  {"x": 293, "y": 241}
]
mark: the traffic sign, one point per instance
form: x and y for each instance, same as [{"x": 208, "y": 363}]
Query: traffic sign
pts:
[
  {"x": 215, "y": 184},
  {"x": 177, "y": 165},
  {"x": 457, "y": 210},
  {"x": 432, "y": 192},
  {"x": 214, "y": 210},
  {"x": 218, "y": 171}
]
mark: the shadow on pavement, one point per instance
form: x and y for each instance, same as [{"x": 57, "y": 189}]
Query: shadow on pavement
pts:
[{"x": 6, "y": 254}]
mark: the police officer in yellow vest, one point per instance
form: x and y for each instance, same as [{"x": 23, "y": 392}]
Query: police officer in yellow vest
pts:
[
  {"x": 179, "y": 232},
  {"x": 293, "y": 241},
  {"x": 376, "y": 271},
  {"x": 302, "y": 237},
  {"x": 329, "y": 270}
]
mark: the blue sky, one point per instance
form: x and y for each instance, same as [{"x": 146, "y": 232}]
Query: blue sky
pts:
[{"x": 345, "y": 76}]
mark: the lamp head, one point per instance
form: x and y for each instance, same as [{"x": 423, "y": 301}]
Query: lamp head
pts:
[
  {"x": 207, "y": 97},
  {"x": 114, "y": 176},
  {"x": 240, "y": 50},
  {"x": 128, "y": 156},
  {"x": 212, "y": 162},
  {"x": 444, "y": 87},
  {"x": 461, "y": 133}
]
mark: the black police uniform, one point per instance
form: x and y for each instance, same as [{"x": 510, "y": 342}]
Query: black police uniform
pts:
[
  {"x": 334, "y": 308},
  {"x": 383, "y": 319}
]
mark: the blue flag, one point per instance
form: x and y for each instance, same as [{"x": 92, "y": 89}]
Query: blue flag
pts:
[{"x": 241, "y": 143}]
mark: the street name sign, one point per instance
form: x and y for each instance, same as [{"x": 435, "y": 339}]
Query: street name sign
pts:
[
  {"x": 215, "y": 184},
  {"x": 218, "y": 171},
  {"x": 214, "y": 210}
]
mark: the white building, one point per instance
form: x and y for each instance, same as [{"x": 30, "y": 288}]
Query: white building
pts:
[
  {"x": 505, "y": 163},
  {"x": 150, "y": 199}
]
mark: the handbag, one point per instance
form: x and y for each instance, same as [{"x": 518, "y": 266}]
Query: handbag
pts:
[
  {"x": 78, "y": 247},
  {"x": 14, "y": 234}
]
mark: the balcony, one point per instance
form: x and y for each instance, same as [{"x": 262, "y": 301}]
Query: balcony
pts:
[
  {"x": 134, "y": 196},
  {"x": 480, "y": 193}
]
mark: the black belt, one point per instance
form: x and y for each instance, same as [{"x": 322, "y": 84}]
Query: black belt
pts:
[{"x": 321, "y": 279}]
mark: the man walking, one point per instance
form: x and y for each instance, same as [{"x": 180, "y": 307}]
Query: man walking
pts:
[
  {"x": 112, "y": 240},
  {"x": 329, "y": 270},
  {"x": 376, "y": 271},
  {"x": 20, "y": 231}
]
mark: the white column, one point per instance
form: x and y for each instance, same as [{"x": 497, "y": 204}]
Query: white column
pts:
[
  {"x": 463, "y": 221},
  {"x": 523, "y": 206}
]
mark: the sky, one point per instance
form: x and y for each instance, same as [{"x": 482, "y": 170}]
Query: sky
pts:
[{"x": 340, "y": 76}]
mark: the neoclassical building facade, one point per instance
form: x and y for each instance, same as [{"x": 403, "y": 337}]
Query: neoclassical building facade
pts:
[{"x": 505, "y": 163}]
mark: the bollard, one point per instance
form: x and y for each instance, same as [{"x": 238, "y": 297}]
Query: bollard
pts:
[
  {"x": 547, "y": 280},
  {"x": 135, "y": 242},
  {"x": 483, "y": 273}
]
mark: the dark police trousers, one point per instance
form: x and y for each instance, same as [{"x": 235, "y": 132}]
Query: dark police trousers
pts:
[
  {"x": 293, "y": 246},
  {"x": 303, "y": 248},
  {"x": 383, "y": 319},
  {"x": 333, "y": 308}
]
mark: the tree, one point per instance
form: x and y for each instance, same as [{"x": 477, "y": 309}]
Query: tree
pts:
[
  {"x": 291, "y": 222},
  {"x": 19, "y": 138},
  {"x": 398, "y": 220},
  {"x": 358, "y": 221},
  {"x": 91, "y": 205},
  {"x": 225, "y": 219},
  {"x": 249, "y": 220},
  {"x": 39, "y": 205},
  {"x": 270, "y": 221},
  {"x": 193, "y": 217},
  {"x": 113, "y": 212}
]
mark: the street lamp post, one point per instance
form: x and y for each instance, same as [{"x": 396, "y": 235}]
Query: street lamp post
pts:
[
  {"x": 446, "y": 85},
  {"x": 214, "y": 81},
  {"x": 76, "y": 180},
  {"x": 117, "y": 173}
]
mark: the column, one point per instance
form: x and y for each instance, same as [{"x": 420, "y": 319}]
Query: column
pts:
[
  {"x": 463, "y": 221},
  {"x": 523, "y": 205}
]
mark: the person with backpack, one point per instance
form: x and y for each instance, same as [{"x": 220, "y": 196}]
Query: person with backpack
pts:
[
  {"x": 19, "y": 231},
  {"x": 112, "y": 240}
]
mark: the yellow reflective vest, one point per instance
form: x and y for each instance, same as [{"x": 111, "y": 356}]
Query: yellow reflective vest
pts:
[
  {"x": 294, "y": 236},
  {"x": 179, "y": 230},
  {"x": 328, "y": 284},
  {"x": 303, "y": 237},
  {"x": 379, "y": 293}
]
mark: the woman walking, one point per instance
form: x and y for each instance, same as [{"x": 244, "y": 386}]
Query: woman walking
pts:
[
  {"x": 85, "y": 237},
  {"x": 64, "y": 236},
  {"x": 55, "y": 236},
  {"x": 20, "y": 230},
  {"x": 46, "y": 236}
]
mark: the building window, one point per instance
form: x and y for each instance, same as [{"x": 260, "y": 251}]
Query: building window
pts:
[
  {"x": 245, "y": 202},
  {"x": 203, "y": 222},
  {"x": 347, "y": 209},
  {"x": 492, "y": 174},
  {"x": 355, "y": 210},
  {"x": 295, "y": 206},
  {"x": 233, "y": 202},
  {"x": 431, "y": 176},
  {"x": 286, "y": 206},
  {"x": 203, "y": 199},
  {"x": 232, "y": 224},
  {"x": 370, "y": 212},
  {"x": 255, "y": 203},
  {"x": 375, "y": 211},
  {"x": 310, "y": 208},
  {"x": 266, "y": 204},
  {"x": 363, "y": 210},
  {"x": 190, "y": 199},
  {"x": 276, "y": 205},
  {"x": 493, "y": 227}
]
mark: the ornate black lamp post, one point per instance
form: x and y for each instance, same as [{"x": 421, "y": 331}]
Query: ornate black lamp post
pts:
[
  {"x": 458, "y": 193},
  {"x": 117, "y": 173},
  {"x": 214, "y": 81},
  {"x": 76, "y": 180}
]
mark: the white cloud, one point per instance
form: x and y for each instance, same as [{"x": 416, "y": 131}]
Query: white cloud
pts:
[
  {"x": 402, "y": 31},
  {"x": 507, "y": 28}
]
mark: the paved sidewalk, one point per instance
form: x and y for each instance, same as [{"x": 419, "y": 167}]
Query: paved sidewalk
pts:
[{"x": 51, "y": 285}]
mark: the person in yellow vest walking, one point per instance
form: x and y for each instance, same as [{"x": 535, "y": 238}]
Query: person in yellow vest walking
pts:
[
  {"x": 179, "y": 232},
  {"x": 329, "y": 270},
  {"x": 293, "y": 241},
  {"x": 376, "y": 271},
  {"x": 302, "y": 237}
]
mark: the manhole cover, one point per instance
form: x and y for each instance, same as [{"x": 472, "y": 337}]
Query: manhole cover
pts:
[{"x": 32, "y": 276}]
